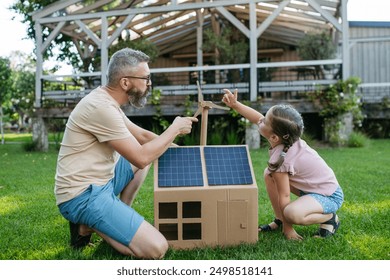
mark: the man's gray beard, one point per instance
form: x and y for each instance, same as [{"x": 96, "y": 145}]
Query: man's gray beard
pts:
[
  {"x": 137, "y": 98},
  {"x": 138, "y": 102}
]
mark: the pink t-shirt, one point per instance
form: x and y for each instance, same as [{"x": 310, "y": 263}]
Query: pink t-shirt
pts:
[{"x": 307, "y": 171}]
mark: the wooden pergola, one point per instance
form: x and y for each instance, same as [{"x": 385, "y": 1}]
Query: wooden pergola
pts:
[{"x": 172, "y": 25}]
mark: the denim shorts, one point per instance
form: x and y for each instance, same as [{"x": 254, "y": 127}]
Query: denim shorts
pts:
[
  {"x": 99, "y": 207},
  {"x": 330, "y": 204}
]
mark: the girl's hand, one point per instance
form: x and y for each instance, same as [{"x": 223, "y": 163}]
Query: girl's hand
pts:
[
  {"x": 229, "y": 98},
  {"x": 292, "y": 235}
]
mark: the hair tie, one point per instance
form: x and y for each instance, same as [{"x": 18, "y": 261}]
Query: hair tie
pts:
[
  {"x": 285, "y": 137},
  {"x": 282, "y": 154}
]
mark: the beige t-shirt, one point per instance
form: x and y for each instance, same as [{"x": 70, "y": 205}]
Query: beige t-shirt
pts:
[{"x": 85, "y": 158}]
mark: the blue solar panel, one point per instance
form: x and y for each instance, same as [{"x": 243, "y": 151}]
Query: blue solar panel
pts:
[
  {"x": 180, "y": 167},
  {"x": 227, "y": 165}
]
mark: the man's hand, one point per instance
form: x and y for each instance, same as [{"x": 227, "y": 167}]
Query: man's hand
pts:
[{"x": 184, "y": 124}]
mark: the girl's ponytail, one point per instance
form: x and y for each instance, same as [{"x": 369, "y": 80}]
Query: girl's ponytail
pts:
[
  {"x": 287, "y": 124},
  {"x": 272, "y": 167}
]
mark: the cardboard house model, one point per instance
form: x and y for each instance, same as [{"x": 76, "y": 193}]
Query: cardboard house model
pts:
[{"x": 206, "y": 196}]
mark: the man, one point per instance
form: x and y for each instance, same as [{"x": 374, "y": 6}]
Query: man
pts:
[{"x": 104, "y": 155}]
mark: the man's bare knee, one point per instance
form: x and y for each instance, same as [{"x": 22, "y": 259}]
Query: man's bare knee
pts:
[
  {"x": 152, "y": 251},
  {"x": 156, "y": 250},
  {"x": 148, "y": 243}
]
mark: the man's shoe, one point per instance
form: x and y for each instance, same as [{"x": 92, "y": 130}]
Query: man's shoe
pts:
[{"x": 78, "y": 241}]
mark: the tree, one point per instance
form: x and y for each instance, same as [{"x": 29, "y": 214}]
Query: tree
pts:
[
  {"x": 316, "y": 46},
  {"x": 22, "y": 97},
  {"x": 17, "y": 85},
  {"x": 63, "y": 42},
  {"x": 5, "y": 89},
  {"x": 62, "y": 47},
  {"x": 232, "y": 48}
]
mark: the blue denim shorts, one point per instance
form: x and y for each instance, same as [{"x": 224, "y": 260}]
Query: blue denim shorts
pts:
[
  {"x": 330, "y": 204},
  {"x": 99, "y": 207}
]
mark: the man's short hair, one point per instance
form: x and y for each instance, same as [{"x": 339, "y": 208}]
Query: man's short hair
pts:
[{"x": 122, "y": 62}]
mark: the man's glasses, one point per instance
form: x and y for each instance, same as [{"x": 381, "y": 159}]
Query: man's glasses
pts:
[{"x": 147, "y": 78}]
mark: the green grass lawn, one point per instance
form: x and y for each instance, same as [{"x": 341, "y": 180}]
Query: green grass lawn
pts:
[{"x": 32, "y": 228}]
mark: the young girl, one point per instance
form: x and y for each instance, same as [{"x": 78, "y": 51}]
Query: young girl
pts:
[{"x": 295, "y": 168}]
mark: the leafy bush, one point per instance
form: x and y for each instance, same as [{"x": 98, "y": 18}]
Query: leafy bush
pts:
[
  {"x": 316, "y": 46},
  {"x": 357, "y": 139},
  {"x": 31, "y": 146},
  {"x": 232, "y": 137},
  {"x": 216, "y": 138},
  {"x": 309, "y": 139},
  {"x": 191, "y": 139},
  {"x": 335, "y": 103},
  {"x": 339, "y": 99}
]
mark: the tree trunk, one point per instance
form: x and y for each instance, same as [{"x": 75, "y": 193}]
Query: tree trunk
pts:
[
  {"x": 252, "y": 136},
  {"x": 39, "y": 134},
  {"x": 338, "y": 129}
]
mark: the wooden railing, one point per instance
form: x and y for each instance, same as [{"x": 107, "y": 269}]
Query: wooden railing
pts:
[{"x": 277, "y": 80}]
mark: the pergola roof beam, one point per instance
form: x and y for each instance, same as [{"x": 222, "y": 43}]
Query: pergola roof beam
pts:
[
  {"x": 147, "y": 10},
  {"x": 325, "y": 14},
  {"x": 90, "y": 34},
  {"x": 52, "y": 35},
  {"x": 52, "y": 8},
  {"x": 118, "y": 31},
  {"x": 265, "y": 24}
]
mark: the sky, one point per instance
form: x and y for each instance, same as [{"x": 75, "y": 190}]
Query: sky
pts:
[{"x": 13, "y": 32}]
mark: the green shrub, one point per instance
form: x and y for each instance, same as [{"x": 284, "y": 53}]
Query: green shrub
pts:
[
  {"x": 216, "y": 138},
  {"x": 357, "y": 140},
  {"x": 232, "y": 137},
  {"x": 308, "y": 138},
  {"x": 30, "y": 146},
  {"x": 191, "y": 139}
]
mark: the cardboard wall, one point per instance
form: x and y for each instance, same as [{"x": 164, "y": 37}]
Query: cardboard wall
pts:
[{"x": 207, "y": 215}]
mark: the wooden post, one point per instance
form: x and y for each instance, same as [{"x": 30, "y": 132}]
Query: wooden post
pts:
[{"x": 203, "y": 129}]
